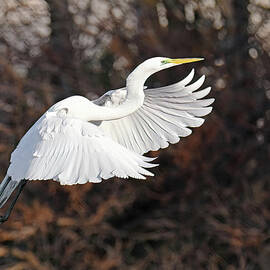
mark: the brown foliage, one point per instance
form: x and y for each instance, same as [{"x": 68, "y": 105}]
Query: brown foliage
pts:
[{"x": 208, "y": 206}]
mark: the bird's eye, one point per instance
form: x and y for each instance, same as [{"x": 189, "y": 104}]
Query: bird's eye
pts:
[{"x": 163, "y": 62}]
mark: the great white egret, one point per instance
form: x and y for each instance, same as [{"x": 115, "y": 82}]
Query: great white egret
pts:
[{"x": 78, "y": 141}]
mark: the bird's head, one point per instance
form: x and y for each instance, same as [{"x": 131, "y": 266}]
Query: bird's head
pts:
[{"x": 155, "y": 64}]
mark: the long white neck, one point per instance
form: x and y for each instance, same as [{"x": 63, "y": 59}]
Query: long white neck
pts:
[
  {"x": 134, "y": 100},
  {"x": 89, "y": 111}
]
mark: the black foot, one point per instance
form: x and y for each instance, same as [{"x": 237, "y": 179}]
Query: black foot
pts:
[{"x": 3, "y": 219}]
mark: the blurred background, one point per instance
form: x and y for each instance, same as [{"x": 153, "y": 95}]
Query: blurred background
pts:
[{"x": 208, "y": 206}]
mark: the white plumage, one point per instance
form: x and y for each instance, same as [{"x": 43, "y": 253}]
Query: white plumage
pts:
[
  {"x": 165, "y": 115},
  {"x": 72, "y": 151},
  {"x": 78, "y": 141}
]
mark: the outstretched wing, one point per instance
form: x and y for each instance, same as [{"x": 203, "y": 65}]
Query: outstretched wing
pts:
[
  {"x": 166, "y": 114},
  {"x": 72, "y": 151}
]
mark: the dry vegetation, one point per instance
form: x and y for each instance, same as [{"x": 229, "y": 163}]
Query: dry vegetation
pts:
[{"x": 208, "y": 207}]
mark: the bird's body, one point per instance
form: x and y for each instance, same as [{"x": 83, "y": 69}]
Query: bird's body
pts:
[
  {"x": 72, "y": 150},
  {"x": 78, "y": 140}
]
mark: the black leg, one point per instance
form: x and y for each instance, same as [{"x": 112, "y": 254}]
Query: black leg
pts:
[
  {"x": 4, "y": 184},
  {"x": 7, "y": 214}
]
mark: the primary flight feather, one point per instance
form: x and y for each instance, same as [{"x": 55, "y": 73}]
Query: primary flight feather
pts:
[{"x": 78, "y": 140}]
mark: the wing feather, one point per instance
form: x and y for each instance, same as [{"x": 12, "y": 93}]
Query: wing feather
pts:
[
  {"x": 166, "y": 114},
  {"x": 201, "y": 93},
  {"x": 73, "y": 151},
  {"x": 170, "y": 124},
  {"x": 150, "y": 131}
]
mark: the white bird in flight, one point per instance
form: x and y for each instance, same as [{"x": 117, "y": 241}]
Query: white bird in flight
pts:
[{"x": 78, "y": 141}]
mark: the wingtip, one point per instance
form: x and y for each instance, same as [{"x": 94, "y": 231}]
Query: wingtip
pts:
[
  {"x": 210, "y": 110},
  {"x": 202, "y": 78},
  {"x": 212, "y": 100},
  {"x": 149, "y": 159},
  {"x": 201, "y": 123},
  {"x": 188, "y": 78}
]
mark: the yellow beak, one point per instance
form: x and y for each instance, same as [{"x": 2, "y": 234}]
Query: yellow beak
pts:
[{"x": 184, "y": 60}]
